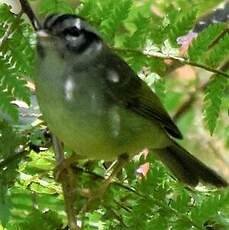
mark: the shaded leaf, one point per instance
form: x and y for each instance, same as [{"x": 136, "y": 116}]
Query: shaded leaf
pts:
[{"x": 213, "y": 100}]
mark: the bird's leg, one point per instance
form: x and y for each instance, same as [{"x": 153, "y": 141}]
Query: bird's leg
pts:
[
  {"x": 64, "y": 163},
  {"x": 62, "y": 166},
  {"x": 113, "y": 170}
]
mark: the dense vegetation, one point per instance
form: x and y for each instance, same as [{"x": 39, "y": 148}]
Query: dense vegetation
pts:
[{"x": 193, "y": 85}]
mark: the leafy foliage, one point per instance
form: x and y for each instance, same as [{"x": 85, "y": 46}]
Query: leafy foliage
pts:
[
  {"x": 209, "y": 207},
  {"x": 56, "y": 6},
  {"x": 201, "y": 44},
  {"x": 213, "y": 100},
  {"x": 203, "y": 50},
  {"x": 182, "y": 26},
  {"x": 216, "y": 56},
  {"x": 119, "y": 13},
  {"x": 10, "y": 158},
  {"x": 30, "y": 197},
  {"x": 16, "y": 59},
  {"x": 37, "y": 220},
  {"x": 158, "y": 201}
]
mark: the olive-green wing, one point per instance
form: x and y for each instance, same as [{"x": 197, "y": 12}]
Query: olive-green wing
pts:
[{"x": 127, "y": 88}]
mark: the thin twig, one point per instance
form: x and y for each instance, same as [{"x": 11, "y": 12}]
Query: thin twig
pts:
[
  {"x": 118, "y": 217},
  {"x": 185, "y": 106},
  {"x": 26, "y": 8},
  {"x": 127, "y": 209},
  {"x": 208, "y": 68},
  {"x": 188, "y": 103},
  {"x": 67, "y": 179},
  {"x": 175, "y": 59},
  {"x": 222, "y": 34},
  {"x": 78, "y": 169}
]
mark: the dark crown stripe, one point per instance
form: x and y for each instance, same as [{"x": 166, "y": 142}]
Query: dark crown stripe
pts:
[
  {"x": 49, "y": 20},
  {"x": 55, "y": 19}
]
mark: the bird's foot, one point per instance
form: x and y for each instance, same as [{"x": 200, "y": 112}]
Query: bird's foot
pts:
[
  {"x": 64, "y": 167},
  {"x": 98, "y": 194}
]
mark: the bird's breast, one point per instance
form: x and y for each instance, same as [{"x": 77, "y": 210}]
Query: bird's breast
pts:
[{"x": 77, "y": 110}]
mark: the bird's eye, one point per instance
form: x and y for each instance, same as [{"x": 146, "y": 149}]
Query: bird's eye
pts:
[{"x": 71, "y": 31}]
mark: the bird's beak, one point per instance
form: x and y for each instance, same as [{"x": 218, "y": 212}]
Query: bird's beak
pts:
[{"x": 43, "y": 35}]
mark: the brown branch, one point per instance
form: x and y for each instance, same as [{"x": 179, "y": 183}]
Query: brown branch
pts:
[
  {"x": 222, "y": 34},
  {"x": 185, "y": 107},
  {"x": 127, "y": 209},
  {"x": 78, "y": 169},
  {"x": 187, "y": 103},
  {"x": 67, "y": 179},
  {"x": 172, "y": 67},
  {"x": 179, "y": 60},
  {"x": 208, "y": 68}
]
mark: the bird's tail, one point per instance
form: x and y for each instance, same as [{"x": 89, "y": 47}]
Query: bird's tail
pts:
[{"x": 187, "y": 168}]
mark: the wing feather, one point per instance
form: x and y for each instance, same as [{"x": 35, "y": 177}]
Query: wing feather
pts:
[{"x": 136, "y": 95}]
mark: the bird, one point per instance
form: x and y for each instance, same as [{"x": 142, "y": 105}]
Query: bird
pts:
[{"x": 97, "y": 105}]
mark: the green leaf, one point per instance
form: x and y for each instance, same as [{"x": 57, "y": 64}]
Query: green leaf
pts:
[
  {"x": 118, "y": 14},
  {"x": 37, "y": 220},
  {"x": 141, "y": 32},
  {"x": 209, "y": 207},
  {"x": 43, "y": 161},
  {"x": 9, "y": 160},
  {"x": 201, "y": 44},
  {"x": 219, "y": 52},
  {"x": 86, "y": 8},
  {"x": 9, "y": 141},
  {"x": 182, "y": 26},
  {"x": 181, "y": 201},
  {"x": 5, "y": 207},
  {"x": 176, "y": 22},
  {"x": 5, "y": 13},
  {"x": 16, "y": 62},
  {"x": 54, "y": 6},
  {"x": 213, "y": 100},
  {"x": 6, "y": 106}
]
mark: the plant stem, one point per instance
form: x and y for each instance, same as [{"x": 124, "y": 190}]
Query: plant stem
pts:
[
  {"x": 66, "y": 178},
  {"x": 188, "y": 103},
  {"x": 221, "y": 35},
  {"x": 175, "y": 59}
]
